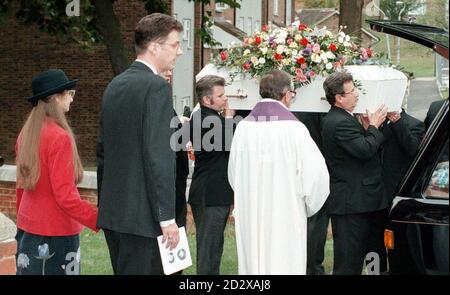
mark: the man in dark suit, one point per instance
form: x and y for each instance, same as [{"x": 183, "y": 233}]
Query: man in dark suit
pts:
[
  {"x": 136, "y": 165},
  {"x": 318, "y": 223},
  {"x": 356, "y": 188},
  {"x": 402, "y": 136},
  {"x": 210, "y": 194}
]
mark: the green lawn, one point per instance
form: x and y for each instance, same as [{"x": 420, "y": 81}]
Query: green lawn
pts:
[
  {"x": 414, "y": 58},
  {"x": 95, "y": 256}
]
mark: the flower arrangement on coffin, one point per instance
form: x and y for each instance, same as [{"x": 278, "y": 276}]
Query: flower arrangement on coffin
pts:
[{"x": 301, "y": 51}]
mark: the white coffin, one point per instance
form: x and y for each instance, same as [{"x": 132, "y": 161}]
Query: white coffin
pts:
[{"x": 380, "y": 85}]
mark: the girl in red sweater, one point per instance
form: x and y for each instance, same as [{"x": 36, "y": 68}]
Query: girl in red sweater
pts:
[{"x": 50, "y": 212}]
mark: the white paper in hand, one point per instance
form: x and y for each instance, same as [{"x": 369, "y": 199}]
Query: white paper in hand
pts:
[{"x": 177, "y": 259}]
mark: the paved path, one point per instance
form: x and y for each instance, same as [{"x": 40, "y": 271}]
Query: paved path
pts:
[{"x": 423, "y": 91}]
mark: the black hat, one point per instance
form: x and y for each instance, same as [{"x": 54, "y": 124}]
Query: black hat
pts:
[{"x": 49, "y": 82}]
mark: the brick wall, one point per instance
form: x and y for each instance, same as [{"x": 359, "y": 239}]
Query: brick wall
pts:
[
  {"x": 8, "y": 246},
  {"x": 25, "y": 51}
]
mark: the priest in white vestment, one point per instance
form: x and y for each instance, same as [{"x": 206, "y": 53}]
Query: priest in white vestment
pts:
[{"x": 279, "y": 178}]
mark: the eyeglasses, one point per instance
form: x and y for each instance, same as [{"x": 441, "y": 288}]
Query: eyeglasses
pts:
[
  {"x": 353, "y": 91},
  {"x": 71, "y": 92}
]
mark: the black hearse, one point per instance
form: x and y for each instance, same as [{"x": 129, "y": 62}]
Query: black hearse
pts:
[{"x": 417, "y": 235}]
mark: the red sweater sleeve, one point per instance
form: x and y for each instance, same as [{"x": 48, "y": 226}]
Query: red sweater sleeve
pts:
[{"x": 61, "y": 172}]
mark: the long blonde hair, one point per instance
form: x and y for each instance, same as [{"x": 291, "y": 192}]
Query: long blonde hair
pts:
[{"x": 28, "y": 164}]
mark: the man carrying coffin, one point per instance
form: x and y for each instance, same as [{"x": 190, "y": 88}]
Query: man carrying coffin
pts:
[
  {"x": 279, "y": 178},
  {"x": 356, "y": 188}
]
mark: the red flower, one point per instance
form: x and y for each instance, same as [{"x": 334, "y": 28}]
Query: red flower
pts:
[
  {"x": 302, "y": 27},
  {"x": 369, "y": 52},
  {"x": 277, "y": 56},
  {"x": 304, "y": 41},
  {"x": 265, "y": 28},
  {"x": 258, "y": 40},
  {"x": 246, "y": 66},
  {"x": 332, "y": 47},
  {"x": 224, "y": 55},
  {"x": 301, "y": 60}
]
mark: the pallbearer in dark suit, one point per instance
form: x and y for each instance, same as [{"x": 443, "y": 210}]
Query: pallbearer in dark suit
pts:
[
  {"x": 356, "y": 187},
  {"x": 210, "y": 194},
  {"x": 402, "y": 136},
  {"x": 318, "y": 223},
  {"x": 136, "y": 164}
]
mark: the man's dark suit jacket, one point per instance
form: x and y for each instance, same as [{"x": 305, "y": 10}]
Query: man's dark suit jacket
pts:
[
  {"x": 401, "y": 141},
  {"x": 136, "y": 165},
  {"x": 313, "y": 122},
  {"x": 182, "y": 171},
  {"x": 210, "y": 184},
  {"x": 354, "y": 164}
]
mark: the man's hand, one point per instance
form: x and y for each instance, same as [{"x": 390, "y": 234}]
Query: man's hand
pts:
[
  {"x": 228, "y": 113},
  {"x": 393, "y": 116},
  {"x": 171, "y": 235},
  {"x": 377, "y": 118},
  {"x": 364, "y": 120}
]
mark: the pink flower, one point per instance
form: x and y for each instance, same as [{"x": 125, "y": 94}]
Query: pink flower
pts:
[
  {"x": 265, "y": 28},
  {"x": 364, "y": 56},
  {"x": 316, "y": 48},
  {"x": 304, "y": 66},
  {"x": 312, "y": 74}
]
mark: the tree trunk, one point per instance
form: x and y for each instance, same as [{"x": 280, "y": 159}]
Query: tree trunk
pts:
[
  {"x": 109, "y": 27},
  {"x": 350, "y": 15}
]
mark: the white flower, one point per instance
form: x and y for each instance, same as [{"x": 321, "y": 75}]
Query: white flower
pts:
[
  {"x": 263, "y": 50},
  {"x": 342, "y": 34},
  {"x": 23, "y": 261},
  {"x": 298, "y": 37},
  {"x": 286, "y": 61},
  {"x": 280, "y": 49},
  {"x": 246, "y": 52},
  {"x": 340, "y": 39},
  {"x": 347, "y": 38},
  {"x": 328, "y": 34},
  {"x": 330, "y": 55},
  {"x": 254, "y": 60},
  {"x": 262, "y": 60},
  {"x": 294, "y": 52},
  {"x": 316, "y": 58},
  {"x": 293, "y": 45},
  {"x": 323, "y": 57},
  {"x": 329, "y": 66},
  {"x": 347, "y": 44}
]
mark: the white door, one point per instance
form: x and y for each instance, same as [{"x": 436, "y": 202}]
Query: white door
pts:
[
  {"x": 248, "y": 17},
  {"x": 183, "y": 74}
]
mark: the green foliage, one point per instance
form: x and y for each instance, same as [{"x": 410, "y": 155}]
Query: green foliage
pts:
[
  {"x": 156, "y": 6},
  {"x": 319, "y": 3},
  {"x": 435, "y": 14},
  {"x": 50, "y": 17},
  {"x": 392, "y": 9}
]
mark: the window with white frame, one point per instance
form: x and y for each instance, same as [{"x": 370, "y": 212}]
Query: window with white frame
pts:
[
  {"x": 221, "y": 7},
  {"x": 275, "y": 7}
]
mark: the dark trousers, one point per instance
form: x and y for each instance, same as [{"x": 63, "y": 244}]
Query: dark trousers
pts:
[
  {"x": 354, "y": 235},
  {"x": 133, "y": 255},
  {"x": 210, "y": 224},
  {"x": 317, "y": 237}
]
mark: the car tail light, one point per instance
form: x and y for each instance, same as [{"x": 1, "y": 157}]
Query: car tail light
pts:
[{"x": 389, "y": 239}]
